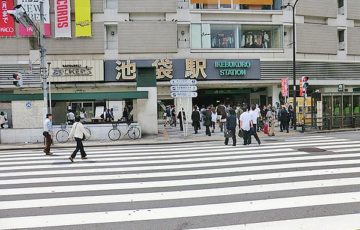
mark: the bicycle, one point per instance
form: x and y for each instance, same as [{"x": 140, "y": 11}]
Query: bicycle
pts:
[
  {"x": 62, "y": 136},
  {"x": 132, "y": 131}
]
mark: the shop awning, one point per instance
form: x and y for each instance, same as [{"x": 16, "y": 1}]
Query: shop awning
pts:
[
  {"x": 245, "y": 2},
  {"x": 114, "y": 96}
]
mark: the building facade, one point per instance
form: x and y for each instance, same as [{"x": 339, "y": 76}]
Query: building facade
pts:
[{"x": 237, "y": 50}]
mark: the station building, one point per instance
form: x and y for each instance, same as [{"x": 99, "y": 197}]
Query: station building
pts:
[{"x": 237, "y": 50}]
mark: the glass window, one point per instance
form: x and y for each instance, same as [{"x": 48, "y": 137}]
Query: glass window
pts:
[
  {"x": 260, "y": 36},
  {"x": 223, "y": 36},
  {"x": 196, "y": 36}
]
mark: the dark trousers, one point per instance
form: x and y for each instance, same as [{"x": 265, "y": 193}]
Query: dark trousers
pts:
[
  {"x": 233, "y": 137},
  {"x": 181, "y": 126},
  {"x": 284, "y": 126},
  {"x": 213, "y": 125},
  {"x": 196, "y": 125},
  {"x": 208, "y": 130},
  {"x": 2, "y": 126},
  {"x": 48, "y": 142},
  {"x": 254, "y": 133},
  {"x": 79, "y": 146},
  {"x": 246, "y": 137}
]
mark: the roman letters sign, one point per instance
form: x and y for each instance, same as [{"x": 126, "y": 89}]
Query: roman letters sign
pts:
[
  {"x": 62, "y": 19},
  {"x": 7, "y": 26},
  {"x": 32, "y": 8}
]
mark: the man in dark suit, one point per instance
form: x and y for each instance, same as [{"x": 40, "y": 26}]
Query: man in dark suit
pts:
[{"x": 195, "y": 117}]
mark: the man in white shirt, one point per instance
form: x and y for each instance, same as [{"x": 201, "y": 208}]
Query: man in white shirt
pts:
[
  {"x": 70, "y": 117},
  {"x": 48, "y": 133},
  {"x": 258, "y": 112},
  {"x": 246, "y": 124},
  {"x": 254, "y": 117}
]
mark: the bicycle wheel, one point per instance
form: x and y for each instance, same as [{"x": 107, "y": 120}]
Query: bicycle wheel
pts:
[
  {"x": 88, "y": 130},
  {"x": 62, "y": 136},
  {"x": 134, "y": 133},
  {"x": 114, "y": 134}
]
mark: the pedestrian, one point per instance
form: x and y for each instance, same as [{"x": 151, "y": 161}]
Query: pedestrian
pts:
[
  {"x": 292, "y": 116},
  {"x": 231, "y": 126},
  {"x": 2, "y": 119},
  {"x": 48, "y": 133},
  {"x": 173, "y": 116},
  {"x": 83, "y": 115},
  {"x": 246, "y": 124},
  {"x": 207, "y": 121},
  {"x": 168, "y": 116},
  {"x": 70, "y": 117},
  {"x": 271, "y": 120},
  {"x": 254, "y": 118},
  {"x": 125, "y": 114},
  {"x": 284, "y": 120},
  {"x": 79, "y": 133},
  {"x": 258, "y": 113},
  {"x": 213, "y": 119},
  {"x": 182, "y": 118},
  {"x": 195, "y": 117},
  {"x": 221, "y": 110}
]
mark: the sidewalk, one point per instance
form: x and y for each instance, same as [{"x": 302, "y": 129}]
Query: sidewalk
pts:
[{"x": 167, "y": 135}]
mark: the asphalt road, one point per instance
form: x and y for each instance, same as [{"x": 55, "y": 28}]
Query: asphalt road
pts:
[{"x": 305, "y": 182}]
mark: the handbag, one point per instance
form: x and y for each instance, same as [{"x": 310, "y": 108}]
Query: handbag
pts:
[
  {"x": 228, "y": 134},
  {"x": 240, "y": 133}
]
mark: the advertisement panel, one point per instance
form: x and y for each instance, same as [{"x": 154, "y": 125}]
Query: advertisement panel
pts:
[
  {"x": 62, "y": 19},
  {"x": 7, "y": 24},
  {"x": 285, "y": 87},
  {"x": 83, "y": 18},
  {"x": 32, "y": 8}
]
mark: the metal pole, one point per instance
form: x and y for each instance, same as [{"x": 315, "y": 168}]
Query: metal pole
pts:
[
  {"x": 42, "y": 59},
  {"x": 48, "y": 74},
  {"x": 294, "y": 65}
]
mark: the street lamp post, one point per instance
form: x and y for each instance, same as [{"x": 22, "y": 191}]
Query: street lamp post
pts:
[
  {"x": 23, "y": 18},
  {"x": 294, "y": 57}
]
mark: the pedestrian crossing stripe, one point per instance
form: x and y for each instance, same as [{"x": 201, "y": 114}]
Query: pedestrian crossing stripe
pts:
[
  {"x": 176, "y": 212},
  {"x": 214, "y": 175}
]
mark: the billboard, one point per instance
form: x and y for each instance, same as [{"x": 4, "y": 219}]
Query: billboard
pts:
[
  {"x": 7, "y": 24},
  {"x": 62, "y": 19},
  {"x": 32, "y": 8},
  {"x": 83, "y": 18}
]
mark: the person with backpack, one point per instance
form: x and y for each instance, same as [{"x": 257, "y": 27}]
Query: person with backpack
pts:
[{"x": 79, "y": 133}]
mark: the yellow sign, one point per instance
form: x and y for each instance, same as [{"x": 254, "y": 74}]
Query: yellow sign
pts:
[{"x": 82, "y": 18}]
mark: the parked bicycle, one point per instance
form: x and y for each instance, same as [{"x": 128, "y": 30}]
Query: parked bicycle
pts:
[
  {"x": 62, "y": 135},
  {"x": 132, "y": 131}
]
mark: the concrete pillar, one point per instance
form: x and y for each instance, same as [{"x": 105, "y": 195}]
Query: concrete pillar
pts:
[
  {"x": 146, "y": 111},
  {"x": 186, "y": 103},
  {"x": 274, "y": 92}
]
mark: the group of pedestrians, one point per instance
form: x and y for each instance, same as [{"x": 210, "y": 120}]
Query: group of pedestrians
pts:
[{"x": 78, "y": 132}]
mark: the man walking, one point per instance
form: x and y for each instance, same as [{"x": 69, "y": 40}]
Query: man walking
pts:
[
  {"x": 207, "y": 121},
  {"x": 48, "y": 132},
  {"x": 245, "y": 125},
  {"x": 182, "y": 118},
  {"x": 231, "y": 126},
  {"x": 254, "y": 117},
  {"x": 195, "y": 117}
]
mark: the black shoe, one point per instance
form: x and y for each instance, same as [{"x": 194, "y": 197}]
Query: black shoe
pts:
[
  {"x": 226, "y": 143},
  {"x": 71, "y": 159},
  {"x": 48, "y": 154},
  {"x": 84, "y": 158},
  {"x": 234, "y": 145}
]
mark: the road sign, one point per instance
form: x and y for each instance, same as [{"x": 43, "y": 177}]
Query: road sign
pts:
[
  {"x": 183, "y": 94},
  {"x": 183, "y": 88},
  {"x": 183, "y": 82}
]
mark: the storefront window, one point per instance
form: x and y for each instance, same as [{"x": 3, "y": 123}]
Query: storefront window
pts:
[
  {"x": 219, "y": 36},
  {"x": 258, "y": 36},
  {"x": 234, "y": 4},
  {"x": 223, "y": 36}
]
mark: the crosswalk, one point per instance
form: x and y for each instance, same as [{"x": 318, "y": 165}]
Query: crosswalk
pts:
[{"x": 281, "y": 184}]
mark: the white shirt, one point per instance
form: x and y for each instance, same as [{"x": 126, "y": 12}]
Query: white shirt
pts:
[
  {"x": 245, "y": 118},
  {"x": 254, "y": 116},
  {"x": 213, "y": 117},
  {"x": 257, "y": 110},
  {"x": 71, "y": 116},
  {"x": 78, "y": 130},
  {"x": 2, "y": 120}
]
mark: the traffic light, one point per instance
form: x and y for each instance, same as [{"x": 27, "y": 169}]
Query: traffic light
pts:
[
  {"x": 305, "y": 84},
  {"x": 17, "y": 79}
]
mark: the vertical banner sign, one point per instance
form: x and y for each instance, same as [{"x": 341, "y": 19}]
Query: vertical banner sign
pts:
[
  {"x": 7, "y": 24},
  {"x": 285, "y": 87},
  {"x": 62, "y": 19},
  {"x": 32, "y": 8},
  {"x": 82, "y": 18}
]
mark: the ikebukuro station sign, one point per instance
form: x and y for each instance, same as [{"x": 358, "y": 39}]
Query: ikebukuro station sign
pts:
[{"x": 199, "y": 69}]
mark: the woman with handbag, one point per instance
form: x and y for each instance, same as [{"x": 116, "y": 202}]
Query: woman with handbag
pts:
[
  {"x": 79, "y": 133},
  {"x": 230, "y": 127}
]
